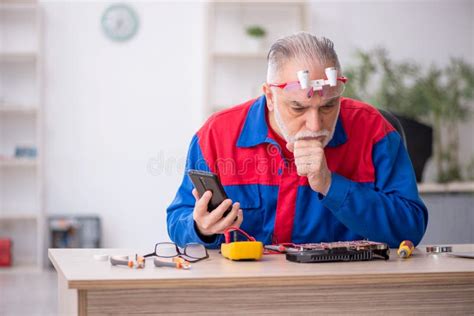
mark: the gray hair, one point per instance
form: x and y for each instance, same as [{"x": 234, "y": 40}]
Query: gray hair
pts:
[{"x": 301, "y": 46}]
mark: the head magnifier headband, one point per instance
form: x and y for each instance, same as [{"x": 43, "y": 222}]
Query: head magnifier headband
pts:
[{"x": 329, "y": 88}]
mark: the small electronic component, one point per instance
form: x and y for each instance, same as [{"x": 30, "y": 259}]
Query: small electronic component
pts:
[
  {"x": 438, "y": 249},
  {"x": 359, "y": 250}
]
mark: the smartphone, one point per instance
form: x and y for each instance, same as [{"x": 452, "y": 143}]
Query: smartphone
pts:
[{"x": 207, "y": 181}]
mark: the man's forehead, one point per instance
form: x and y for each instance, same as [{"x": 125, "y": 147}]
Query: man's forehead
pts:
[
  {"x": 313, "y": 102},
  {"x": 289, "y": 70}
]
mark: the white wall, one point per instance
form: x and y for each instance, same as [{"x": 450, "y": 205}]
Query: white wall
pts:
[
  {"x": 113, "y": 109},
  {"x": 422, "y": 31}
]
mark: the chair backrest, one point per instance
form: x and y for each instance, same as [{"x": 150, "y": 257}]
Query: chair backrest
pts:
[
  {"x": 419, "y": 143},
  {"x": 392, "y": 119}
]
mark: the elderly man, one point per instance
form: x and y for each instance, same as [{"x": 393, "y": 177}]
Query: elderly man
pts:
[{"x": 301, "y": 163}]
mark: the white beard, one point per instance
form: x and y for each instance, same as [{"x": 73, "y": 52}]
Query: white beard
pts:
[{"x": 304, "y": 134}]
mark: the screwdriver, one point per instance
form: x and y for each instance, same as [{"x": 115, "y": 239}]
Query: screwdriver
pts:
[
  {"x": 405, "y": 249},
  {"x": 178, "y": 263}
]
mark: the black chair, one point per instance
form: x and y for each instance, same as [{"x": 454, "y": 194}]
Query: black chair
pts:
[
  {"x": 392, "y": 119},
  {"x": 419, "y": 142}
]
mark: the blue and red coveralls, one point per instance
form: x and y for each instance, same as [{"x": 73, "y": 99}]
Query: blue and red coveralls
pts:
[{"x": 373, "y": 193}]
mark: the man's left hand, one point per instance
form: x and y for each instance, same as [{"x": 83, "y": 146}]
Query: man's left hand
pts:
[{"x": 311, "y": 162}]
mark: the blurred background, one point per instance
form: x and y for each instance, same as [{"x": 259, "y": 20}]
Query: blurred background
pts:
[{"x": 100, "y": 99}]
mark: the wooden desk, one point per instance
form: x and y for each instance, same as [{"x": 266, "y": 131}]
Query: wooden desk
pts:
[{"x": 437, "y": 284}]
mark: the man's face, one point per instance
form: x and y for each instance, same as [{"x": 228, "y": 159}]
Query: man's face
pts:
[{"x": 296, "y": 118}]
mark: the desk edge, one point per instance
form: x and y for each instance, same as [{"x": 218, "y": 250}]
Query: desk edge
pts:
[{"x": 359, "y": 279}]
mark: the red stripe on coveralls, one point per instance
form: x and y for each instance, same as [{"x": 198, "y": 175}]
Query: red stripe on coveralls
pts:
[{"x": 286, "y": 205}]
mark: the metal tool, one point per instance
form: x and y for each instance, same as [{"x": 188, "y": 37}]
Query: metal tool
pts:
[
  {"x": 178, "y": 263},
  {"x": 136, "y": 261}
]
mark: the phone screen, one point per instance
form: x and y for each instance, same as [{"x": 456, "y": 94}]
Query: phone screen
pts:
[{"x": 207, "y": 181}]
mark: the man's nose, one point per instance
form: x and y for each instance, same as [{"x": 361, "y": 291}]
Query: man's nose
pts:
[{"x": 314, "y": 121}]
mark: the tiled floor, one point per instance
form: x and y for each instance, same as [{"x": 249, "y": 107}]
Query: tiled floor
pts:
[{"x": 28, "y": 292}]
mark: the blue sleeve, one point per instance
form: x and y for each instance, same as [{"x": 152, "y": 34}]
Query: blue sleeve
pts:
[
  {"x": 179, "y": 215},
  {"x": 389, "y": 211}
]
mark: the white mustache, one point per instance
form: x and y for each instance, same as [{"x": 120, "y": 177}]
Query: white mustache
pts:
[{"x": 308, "y": 134}]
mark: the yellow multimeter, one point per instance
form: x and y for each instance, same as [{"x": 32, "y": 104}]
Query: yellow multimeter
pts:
[{"x": 241, "y": 250}]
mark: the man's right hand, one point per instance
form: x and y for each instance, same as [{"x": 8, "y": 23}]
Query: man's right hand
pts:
[{"x": 211, "y": 223}]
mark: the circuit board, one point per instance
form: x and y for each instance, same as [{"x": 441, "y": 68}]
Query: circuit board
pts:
[{"x": 358, "y": 250}]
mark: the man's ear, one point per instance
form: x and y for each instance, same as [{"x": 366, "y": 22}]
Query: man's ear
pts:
[{"x": 269, "y": 95}]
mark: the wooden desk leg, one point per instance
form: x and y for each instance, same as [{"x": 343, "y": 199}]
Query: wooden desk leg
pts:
[
  {"x": 67, "y": 298},
  {"x": 82, "y": 306}
]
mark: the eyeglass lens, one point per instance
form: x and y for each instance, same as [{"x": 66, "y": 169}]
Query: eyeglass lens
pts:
[
  {"x": 166, "y": 250},
  {"x": 169, "y": 250},
  {"x": 196, "y": 251}
]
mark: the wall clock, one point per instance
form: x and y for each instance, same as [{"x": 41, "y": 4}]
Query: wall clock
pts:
[{"x": 120, "y": 22}]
